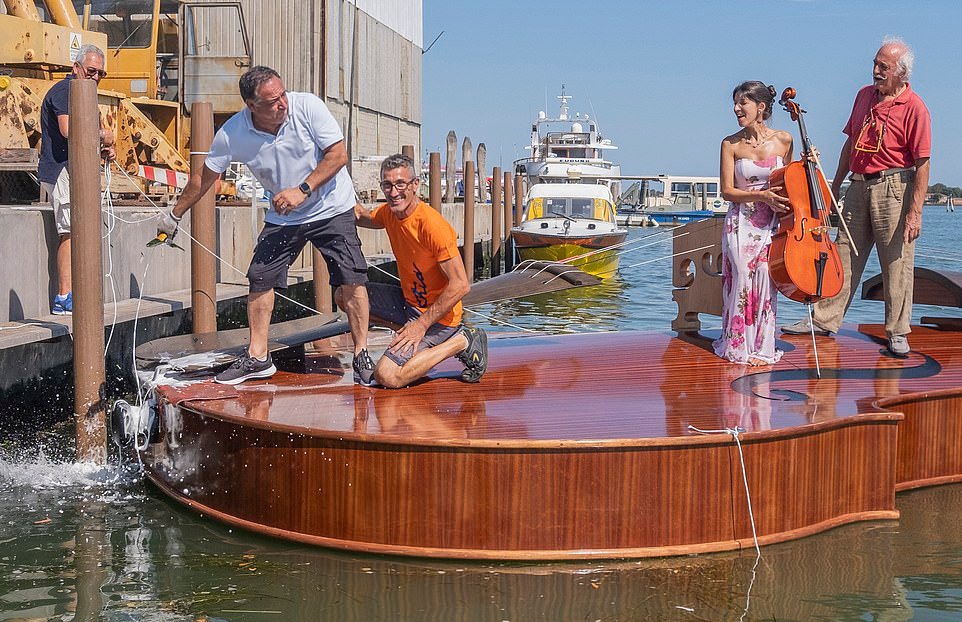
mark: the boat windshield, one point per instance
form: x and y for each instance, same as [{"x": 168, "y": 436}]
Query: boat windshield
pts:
[{"x": 572, "y": 207}]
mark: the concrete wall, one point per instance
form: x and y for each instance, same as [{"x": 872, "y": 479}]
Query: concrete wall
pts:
[{"x": 28, "y": 278}]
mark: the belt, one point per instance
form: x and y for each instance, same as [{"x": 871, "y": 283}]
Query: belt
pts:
[{"x": 880, "y": 174}]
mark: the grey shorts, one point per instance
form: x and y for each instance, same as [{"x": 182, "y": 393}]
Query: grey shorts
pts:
[
  {"x": 388, "y": 303},
  {"x": 278, "y": 247}
]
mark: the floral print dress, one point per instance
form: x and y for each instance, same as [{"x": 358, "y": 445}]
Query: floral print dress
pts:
[{"x": 748, "y": 294}]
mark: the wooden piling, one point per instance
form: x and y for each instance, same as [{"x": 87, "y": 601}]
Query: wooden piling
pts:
[
  {"x": 508, "y": 248},
  {"x": 497, "y": 211},
  {"x": 469, "y": 220},
  {"x": 482, "y": 169},
  {"x": 434, "y": 179},
  {"x": 518, "y": 199},
  {"x": 86, "y": 258},
  {"x": 508, "y": 192},
  {"x": 203, "y": 226},
  {"x": 450, "y": 167}
]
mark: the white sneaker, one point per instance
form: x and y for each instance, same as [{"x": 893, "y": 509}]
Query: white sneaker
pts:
[{"x": 899, "y": 345}]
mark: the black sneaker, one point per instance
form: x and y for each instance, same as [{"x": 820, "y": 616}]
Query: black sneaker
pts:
[
  {"x": 364, "y": 369},
  {"x": 246, "y": 368},
  {"x": 475, "y": 356}
]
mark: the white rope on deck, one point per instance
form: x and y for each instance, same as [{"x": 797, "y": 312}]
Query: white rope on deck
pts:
[{"x": 735, "y": 432}]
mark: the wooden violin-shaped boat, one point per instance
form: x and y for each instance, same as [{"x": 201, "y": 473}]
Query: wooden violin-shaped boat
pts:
[{"x": 803, "y": 260}]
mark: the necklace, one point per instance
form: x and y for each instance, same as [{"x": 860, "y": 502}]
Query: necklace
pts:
[{"x": 758, "y": 141}]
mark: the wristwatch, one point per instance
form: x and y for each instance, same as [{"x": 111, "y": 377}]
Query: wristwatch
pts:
[{"x": 305, "y": 188}]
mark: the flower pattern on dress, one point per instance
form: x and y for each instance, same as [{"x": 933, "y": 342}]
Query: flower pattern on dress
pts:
[{"x": 749, "y": 296}]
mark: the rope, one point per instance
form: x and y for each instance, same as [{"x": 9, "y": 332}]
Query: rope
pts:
[
  {"x": 735, "y": 432},
  {"x": 213, "y": 254},
  {"x": 107, "y": 205}
]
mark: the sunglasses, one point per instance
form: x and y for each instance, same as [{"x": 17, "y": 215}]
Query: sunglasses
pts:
[
  {"x": 92, "y": 72},
  {"x": 870, "y": 136}
]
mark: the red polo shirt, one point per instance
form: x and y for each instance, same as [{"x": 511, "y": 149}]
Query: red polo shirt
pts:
[{"x": 890, "y": 134}]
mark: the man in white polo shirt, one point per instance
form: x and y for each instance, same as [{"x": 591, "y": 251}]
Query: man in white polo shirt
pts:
[{"x": 295, "y": 149}]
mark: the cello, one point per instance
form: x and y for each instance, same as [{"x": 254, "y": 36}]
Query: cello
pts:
[{"x": 802, "y": 259}]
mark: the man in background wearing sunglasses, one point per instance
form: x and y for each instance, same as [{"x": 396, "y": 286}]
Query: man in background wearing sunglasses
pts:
[
  {"x": 887, "y": 151},
  {"x": 52, "y": 165},
  {"x": 426, "y": 309},
  {"x": 294, "y": 147}
]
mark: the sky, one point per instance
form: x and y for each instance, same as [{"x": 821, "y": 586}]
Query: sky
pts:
[{"x": 658, "y": 76}]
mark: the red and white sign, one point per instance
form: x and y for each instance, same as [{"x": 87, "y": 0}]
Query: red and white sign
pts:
[{"x": 163, "y": 175}]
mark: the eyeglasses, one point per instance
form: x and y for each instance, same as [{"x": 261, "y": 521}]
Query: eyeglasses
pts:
[
  {"x": 92, "y": 72},
  {"x": 400, "y": 186},
  {"x": 870, "y": 136}
]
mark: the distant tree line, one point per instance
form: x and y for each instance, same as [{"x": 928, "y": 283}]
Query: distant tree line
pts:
[{"x": 948, "y": 191}]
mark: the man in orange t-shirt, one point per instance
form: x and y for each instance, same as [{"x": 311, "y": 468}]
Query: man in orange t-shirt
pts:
[{"x": 427, "y": 306}]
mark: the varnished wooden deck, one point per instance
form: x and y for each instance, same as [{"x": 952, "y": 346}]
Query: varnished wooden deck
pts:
[{"x": 572, "y": 446}]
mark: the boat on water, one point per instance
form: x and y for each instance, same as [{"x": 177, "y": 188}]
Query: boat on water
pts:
[
  {"x": 572, "y": 223},
  {"x": 530, "y": 465},
  {"x": 670, "y": 199},
  {"x": 566, "y": 148}
]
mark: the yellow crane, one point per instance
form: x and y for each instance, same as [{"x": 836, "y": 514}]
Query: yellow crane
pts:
[{"x": 155, "y": 69}]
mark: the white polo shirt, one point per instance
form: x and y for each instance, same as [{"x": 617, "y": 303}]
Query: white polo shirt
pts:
[{"x": 285, "y": 160}]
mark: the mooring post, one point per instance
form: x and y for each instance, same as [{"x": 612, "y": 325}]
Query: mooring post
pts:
[
  {"x": 508, "y": 192},
  {"x": 469, "y": 220},
  {"x": 86, "y": 256},
  {"x": 203, "y": 226},
  {"x": 481, "y": 160},
  {"x": 434, "y": 179},
  {"x": 508, "y": 248},
  {"x": 408, "y": 150},
  {"x": 497, "y": 210},
  {"x": 518, "y": 200},
  {"x": 450, "y": 167}
]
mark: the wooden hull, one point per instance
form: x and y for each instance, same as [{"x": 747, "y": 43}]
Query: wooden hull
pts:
[
  {"x": 562, "y": 452},
  {"x": 583, "y": 253}
]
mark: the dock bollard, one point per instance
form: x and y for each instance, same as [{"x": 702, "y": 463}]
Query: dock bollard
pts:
[
  {"x": 508, "y": 221},
  {"x": 497, "y": 211},
  {"x": 86, "y": 257},
  {"x": 434, "y": 179},
  {"x": 203, "y": 226},
  {"x": 518, "y": 200},
  {"x": 450, "y": 168},
  {"x": 469, "y": 220}
]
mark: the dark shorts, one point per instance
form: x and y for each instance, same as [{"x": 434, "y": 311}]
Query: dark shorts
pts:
[
  {"x": 278, "y": 247},
  {"x": 388, "y": 303}
]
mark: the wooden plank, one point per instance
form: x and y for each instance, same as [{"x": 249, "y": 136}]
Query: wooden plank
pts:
[
  {"x": 224, "y": 346},
  {"x": 931, "y": 287}
]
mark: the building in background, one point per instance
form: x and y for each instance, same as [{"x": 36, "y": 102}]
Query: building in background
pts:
[{"x": 363, "y": 57}]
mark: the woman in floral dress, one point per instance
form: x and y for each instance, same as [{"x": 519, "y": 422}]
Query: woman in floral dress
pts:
[{"x": 747, "y": 159}]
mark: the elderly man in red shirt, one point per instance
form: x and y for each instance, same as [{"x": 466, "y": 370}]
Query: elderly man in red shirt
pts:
[{"x": 887, "y": 151}]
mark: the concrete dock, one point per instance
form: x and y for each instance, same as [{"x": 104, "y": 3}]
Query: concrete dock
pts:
[{"x": 139, "y": 282}]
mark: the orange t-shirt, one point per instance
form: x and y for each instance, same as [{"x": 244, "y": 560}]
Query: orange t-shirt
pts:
[{"x": 420, "y": 243}]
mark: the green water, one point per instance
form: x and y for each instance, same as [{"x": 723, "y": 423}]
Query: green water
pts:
[{"x": 83, "y": 543}]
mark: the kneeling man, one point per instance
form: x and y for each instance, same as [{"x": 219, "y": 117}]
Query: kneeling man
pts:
[{"x": 427, "y": 306}]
